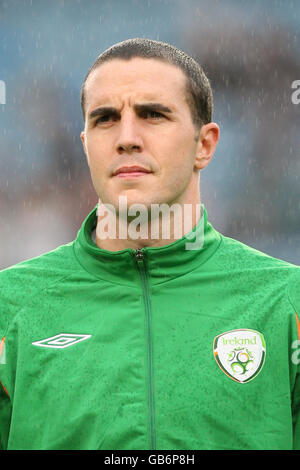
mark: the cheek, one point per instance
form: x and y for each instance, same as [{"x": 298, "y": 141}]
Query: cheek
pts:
[
  {"x": 97, "y": 155},
  {"x": 182, "y": 169},
  {"x": 178, "y": 158}
]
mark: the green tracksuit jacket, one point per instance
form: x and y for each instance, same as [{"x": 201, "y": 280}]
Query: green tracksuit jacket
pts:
[{"x": 162, "y": 348}]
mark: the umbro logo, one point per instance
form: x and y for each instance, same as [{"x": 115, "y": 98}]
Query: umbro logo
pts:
[{"x": 63, "y": 340}]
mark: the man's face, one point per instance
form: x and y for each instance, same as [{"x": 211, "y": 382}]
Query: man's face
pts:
[{"x": 137, "y": 116}]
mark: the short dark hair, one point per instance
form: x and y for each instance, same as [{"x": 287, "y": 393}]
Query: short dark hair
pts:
[{"x": 199, "y": 93}]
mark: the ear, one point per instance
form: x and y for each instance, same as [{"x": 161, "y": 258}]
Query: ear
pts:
[
  {"x": 206, "y": 144},
  {"x": 82, "y": 136}
]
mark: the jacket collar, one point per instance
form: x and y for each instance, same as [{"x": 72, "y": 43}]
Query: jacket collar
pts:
[{"x": 162, "y": 263}]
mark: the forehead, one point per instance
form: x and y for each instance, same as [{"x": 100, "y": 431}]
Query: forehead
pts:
[{"x": 148, "y": 79}]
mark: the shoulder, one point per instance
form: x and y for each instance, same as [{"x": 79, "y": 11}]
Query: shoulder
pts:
[
  {"x": 259, "y": 270},
  {"x": 238, "y": 253},
  {"x": 28, "y": 279},
  {"x": 293, "y": 290},
  {"x": 47, "y": 266}
]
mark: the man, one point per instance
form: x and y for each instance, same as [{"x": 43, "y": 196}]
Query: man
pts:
[{"x": 163, "y": 341}]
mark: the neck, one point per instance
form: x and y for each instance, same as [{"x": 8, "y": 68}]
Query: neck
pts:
[{"x": 160, "y": 226}]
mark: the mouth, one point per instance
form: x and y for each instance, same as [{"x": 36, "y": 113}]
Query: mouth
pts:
[{"x": 131, "y": 172}]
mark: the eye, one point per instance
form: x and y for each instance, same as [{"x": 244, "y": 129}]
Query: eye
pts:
[
  {"x": 152, "y": 114},
  {"x": 105, "y": 118}
]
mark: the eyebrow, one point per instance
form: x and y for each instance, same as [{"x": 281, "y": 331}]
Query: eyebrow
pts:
[
  {"x": 153, "y": 106},
  {"x": 102, "y": 110},
  {"x": 138, "y": 107}
]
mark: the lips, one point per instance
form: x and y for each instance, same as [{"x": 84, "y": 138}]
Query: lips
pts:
[{"x": 131, "y": 171}]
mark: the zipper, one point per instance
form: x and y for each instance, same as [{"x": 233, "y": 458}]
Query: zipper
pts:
[{"x": 140, "y": 259}]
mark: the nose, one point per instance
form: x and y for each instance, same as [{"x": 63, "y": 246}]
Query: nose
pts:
[{"x": 129, "y": 138}]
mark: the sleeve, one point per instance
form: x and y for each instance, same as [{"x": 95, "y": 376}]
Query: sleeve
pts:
[
  {"x": 5, "y": 405},
  {"x": 294, "y": 298},
  {"x": 5, "y": 416}
]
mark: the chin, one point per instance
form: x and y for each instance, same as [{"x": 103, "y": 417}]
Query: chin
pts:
[{"x": 124, "y": 200}]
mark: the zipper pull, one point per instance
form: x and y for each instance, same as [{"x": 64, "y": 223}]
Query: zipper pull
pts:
[{"x": 139, "y": 255}]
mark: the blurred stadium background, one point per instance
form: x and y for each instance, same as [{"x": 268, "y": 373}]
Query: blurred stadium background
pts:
[{"x": 249, "y": 50}]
